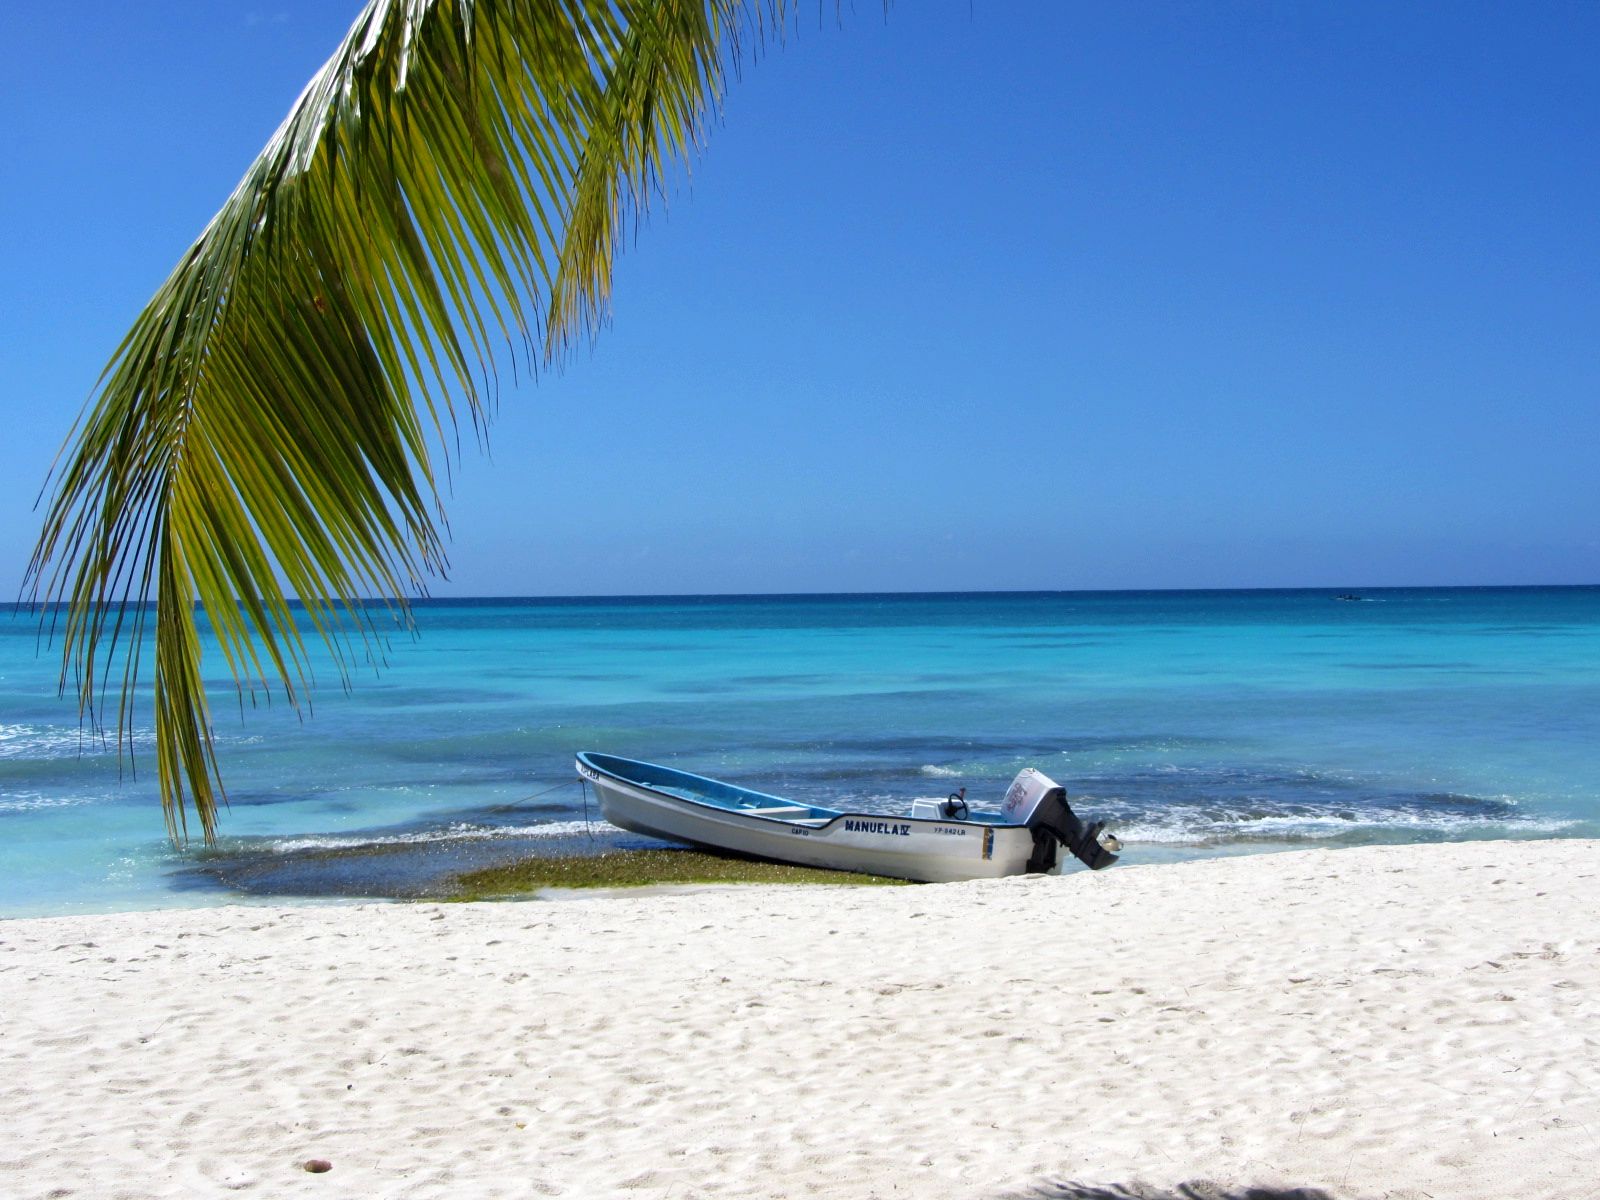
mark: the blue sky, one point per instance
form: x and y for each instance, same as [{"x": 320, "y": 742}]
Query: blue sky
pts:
[{"x": 978, "y": 295}]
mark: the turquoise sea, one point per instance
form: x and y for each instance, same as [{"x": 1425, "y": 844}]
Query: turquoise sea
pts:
[{"x": 1196, "y": 723}]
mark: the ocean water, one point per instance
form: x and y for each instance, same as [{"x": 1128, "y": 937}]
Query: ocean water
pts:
[{"x": 1196, "y": 723}]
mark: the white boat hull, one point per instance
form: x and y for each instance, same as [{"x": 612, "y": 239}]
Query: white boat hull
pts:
[{"x": 898, "y": 847}]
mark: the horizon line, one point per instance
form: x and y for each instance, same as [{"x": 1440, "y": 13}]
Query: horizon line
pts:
[{"x": 512, "y": 598}]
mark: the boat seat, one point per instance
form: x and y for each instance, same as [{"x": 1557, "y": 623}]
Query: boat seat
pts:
[{"x": 777, "y": 808}]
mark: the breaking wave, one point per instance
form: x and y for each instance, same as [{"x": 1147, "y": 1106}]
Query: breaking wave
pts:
[
  {"x": 460, "y": 832},
  {"x": 1206, "y": 826},
  {"x": 38, "y": 803}
]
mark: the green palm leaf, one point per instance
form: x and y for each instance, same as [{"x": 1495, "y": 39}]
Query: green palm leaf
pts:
[{"x": 452, "y": 183}]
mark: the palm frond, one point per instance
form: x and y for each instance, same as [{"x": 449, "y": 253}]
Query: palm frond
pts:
[{"x": 450, "y": 188}]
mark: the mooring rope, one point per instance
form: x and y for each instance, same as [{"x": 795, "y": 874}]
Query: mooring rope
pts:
[
  {"x": 582, "y": 785},
  {"x": 554, "y": 788},
  {"x": 533, "y": 796}
]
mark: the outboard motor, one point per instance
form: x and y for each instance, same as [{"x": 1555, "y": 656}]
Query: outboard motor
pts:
[{"x": 1040, "y": 803}]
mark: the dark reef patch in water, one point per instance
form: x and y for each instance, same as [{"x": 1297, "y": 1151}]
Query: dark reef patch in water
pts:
[
  {"x": 389, "y": 696},
  {"x": 913, "y": 752},
  {"x": 1477, "y": 668},
  {"x": 423, "y": 868}
]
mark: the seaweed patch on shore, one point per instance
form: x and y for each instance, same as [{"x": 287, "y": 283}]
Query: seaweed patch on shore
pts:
[{"x": 640, "y": 868}]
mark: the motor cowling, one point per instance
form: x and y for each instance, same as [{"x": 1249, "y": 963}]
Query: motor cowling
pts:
[{"x": 1040, "y": 803}]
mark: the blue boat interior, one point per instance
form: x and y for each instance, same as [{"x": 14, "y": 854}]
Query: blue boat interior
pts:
[{"x": 699, "y": 790}]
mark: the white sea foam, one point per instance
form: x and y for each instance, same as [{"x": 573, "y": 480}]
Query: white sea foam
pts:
[
  {"x": 50, "y": 741},
  {"x": 1187, "y": 827},
  {"x": 35, "y": 802},
  {"x": 942, "y": 772},
  {"x": 452, "y": 833}
]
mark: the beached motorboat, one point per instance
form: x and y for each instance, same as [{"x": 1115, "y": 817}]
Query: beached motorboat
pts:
[{"x": 939, "y": 841}]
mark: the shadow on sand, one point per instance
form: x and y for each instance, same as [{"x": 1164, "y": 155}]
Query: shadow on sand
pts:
[{"x": 1197, "y": 1189}]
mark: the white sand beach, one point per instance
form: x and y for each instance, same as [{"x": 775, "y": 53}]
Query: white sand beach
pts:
[{"x": 1410, "y": 1022}]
